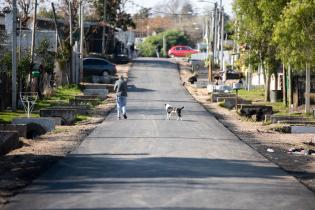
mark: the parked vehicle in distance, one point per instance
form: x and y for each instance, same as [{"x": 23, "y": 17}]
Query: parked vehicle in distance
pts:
[
  {"x": 181, "y": 51},
  {"x": 98, "y": 67}
]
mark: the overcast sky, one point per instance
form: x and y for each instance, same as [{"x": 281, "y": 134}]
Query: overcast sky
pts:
[{"x": 132, "y": 8}]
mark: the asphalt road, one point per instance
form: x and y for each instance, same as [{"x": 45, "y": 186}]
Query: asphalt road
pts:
[{"x": 146, "y": 162}]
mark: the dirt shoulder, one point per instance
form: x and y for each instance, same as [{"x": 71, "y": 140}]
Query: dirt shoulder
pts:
[
  {"x": 262, "y": 137},
  {"x": 19, "y": 167}
]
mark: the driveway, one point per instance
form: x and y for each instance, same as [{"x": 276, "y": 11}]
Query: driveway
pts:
[{"x": 146, "y": 162}]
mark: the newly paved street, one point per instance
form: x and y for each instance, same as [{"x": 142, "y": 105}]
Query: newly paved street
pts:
[{"x": 146, "y": 162}]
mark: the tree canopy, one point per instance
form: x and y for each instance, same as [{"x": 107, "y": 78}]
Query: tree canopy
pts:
[{"x": 295, "y": 34}]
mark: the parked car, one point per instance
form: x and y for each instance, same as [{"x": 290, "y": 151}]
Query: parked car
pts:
[
  {"x": 181, "y": 51},
  {"x": 98, "y": 67}
]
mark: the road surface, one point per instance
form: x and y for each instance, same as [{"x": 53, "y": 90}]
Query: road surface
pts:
[{"x": 146, "y": 162}]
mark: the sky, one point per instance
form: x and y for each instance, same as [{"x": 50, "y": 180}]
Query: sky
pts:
[{"x": 132, "y": 8}]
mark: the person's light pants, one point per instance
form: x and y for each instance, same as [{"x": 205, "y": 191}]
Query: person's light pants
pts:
[{"x": 121, "y": 105}]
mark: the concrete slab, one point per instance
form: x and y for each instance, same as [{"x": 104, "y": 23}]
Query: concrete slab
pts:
[
  {"x": 48, "y": 123},
  {"x": 21, "y": 129},
  {"x": 288, "y": 118},
  {"x": 101, "y": 93},
  {"x": 85, "y": 101},
  {"x": 80, "y": 108},
  {"x": 9, "y": 140},
  {"x": 302, "y": 129},
  {"x": 68, "y": 115}
]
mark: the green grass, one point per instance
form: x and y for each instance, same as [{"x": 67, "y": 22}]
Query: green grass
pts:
[
  {"x": 61, "y": 96},
  {"x": 6, "y": 117},
  {"x": 253, "y": 95},
  {"x": 257, "y": 97},
  {"x": 81, "y": 118}
]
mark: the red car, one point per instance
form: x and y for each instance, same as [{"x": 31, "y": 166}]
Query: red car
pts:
[{"x": 181, "y": 51}]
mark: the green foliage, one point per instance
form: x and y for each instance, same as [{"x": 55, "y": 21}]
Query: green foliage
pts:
[
  {"x": 46, "y": 57},
  {"x": 147, "y": 49},
  {"x": 24, "y": 67},
  {"x": 173, "y": 37},
  {"x": 6, "y": 63},
  {"x": 143, "y": 13},
  {"x": 295, "y": 34},
  {"x": 64, "y": 52},
  {"x": 44, "y": 12},
  {"x": 3, "y": 40},
  {"x": 115, "y": 15}
]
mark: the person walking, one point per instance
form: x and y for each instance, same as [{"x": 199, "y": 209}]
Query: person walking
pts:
[{"x": 121, "y": 97}]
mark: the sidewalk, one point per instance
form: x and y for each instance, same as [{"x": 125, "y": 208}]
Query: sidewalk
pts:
[{"x": 261, "y": 137}]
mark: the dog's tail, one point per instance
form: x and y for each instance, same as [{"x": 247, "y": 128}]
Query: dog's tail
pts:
[{"x": 181, "y": 108}]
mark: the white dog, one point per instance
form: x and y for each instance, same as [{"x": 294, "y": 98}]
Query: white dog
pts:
[{"x": 169, "y": 110}]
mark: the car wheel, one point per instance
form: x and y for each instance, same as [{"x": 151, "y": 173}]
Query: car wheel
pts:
[
  {"x": 105, "y": 74},
  {"x": 172, "y": 56}
]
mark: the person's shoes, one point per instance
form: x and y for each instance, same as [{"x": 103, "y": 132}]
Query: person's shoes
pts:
[
  {"x": 118, "y": 118},
  {"x": 125, "y": 116}
]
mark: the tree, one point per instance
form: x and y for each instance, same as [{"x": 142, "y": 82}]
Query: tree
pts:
[
  {"x": 25, "y": 7},
  {"x": 173, "y": 37},
  {"x": 43, "y": 12},
  {"x": 144, "y": 13},
  {"x": 3, "y": 40},
  {"x": 187, "y": 8},
  {"x": 295, "y": 34},
  {"x": 115, "y": 14},
  {"x": 256, "y": 20}
]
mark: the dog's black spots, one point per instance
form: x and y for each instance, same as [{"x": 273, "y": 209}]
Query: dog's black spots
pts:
[{"x": 170, "y": 110}]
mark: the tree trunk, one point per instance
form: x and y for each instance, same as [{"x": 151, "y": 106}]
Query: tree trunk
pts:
[
  {"x": 276, "y": 80},
  {"x": 267, "y": 86},
  {"x": 307, "y": 89},
  {"x": 289, "y": 86},
  {"x": 284, "y": 85}
]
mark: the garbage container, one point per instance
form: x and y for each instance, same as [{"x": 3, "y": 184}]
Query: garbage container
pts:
[{"x": 275, "y": 96}]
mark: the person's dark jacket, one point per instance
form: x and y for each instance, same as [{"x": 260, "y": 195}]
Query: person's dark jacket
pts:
[{"x": 121, "y": 87}]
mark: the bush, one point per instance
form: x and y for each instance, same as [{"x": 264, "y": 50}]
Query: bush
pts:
[{"x": 173, "y": 37}]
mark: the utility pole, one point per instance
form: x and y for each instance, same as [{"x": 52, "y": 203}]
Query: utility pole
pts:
[
  {"x": 20, "y": 38},
  {"x": 14, "y": 55},
  {"x": 222, "y": 39},
  {"x": 104, "y": 27},
  {"x": 71, "y": 43},
  {"x": 215, "y": 31},
  {"x": 164, "y": 46},
  {"x": 81, "y": 39},
  {"x": 33, "y": 32},
  {"x": 214, "y": 25}
]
